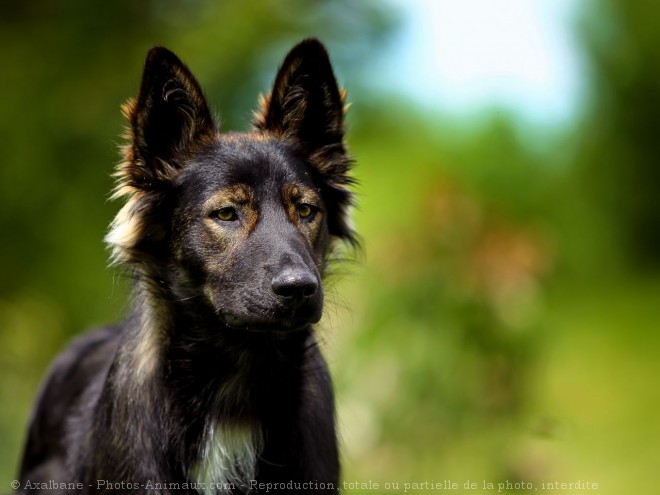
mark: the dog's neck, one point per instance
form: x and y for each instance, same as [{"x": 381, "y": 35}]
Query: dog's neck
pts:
[
  {"x": 186, "y": 347},
  {"x": 223, "y": 385},
  {"x": 239, "y": 382},
  {"x": 234, "y": 371}
]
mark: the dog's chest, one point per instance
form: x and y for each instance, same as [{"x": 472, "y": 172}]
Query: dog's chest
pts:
[{"x": 228, "y": 458}]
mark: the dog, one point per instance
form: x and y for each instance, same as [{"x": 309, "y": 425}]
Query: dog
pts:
[{"x": 214, "y": 383}]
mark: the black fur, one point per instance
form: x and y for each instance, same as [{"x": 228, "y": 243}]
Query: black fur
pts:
[{"x": 227, "y": 237}]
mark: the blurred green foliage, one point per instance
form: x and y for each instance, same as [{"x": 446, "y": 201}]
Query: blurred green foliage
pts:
[{"x": 503, "y": 318}]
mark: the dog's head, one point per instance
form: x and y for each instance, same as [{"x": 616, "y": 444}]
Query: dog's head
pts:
[{"x": 239, "y": 222}]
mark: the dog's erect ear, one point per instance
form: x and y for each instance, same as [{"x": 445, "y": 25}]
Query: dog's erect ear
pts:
[
  {"x": 169, "y": 117},
  {"x": 306, "y": 105},
  {"x": 307, "y": 108}
]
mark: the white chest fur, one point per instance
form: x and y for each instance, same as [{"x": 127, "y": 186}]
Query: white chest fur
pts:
[{"x": 229, "y": 457}]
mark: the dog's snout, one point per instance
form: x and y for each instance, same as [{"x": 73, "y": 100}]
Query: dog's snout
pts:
[{"x": 295, "y": 285}]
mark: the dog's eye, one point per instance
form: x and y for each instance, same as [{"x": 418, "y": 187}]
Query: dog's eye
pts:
[
  {"x": 305, "y": 211},
  {"x": 226, "y": 214}
]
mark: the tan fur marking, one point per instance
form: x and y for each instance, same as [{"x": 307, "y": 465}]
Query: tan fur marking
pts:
[
  {"x": 142, "y": 354},
  {"x": 294, "y": 194},
  {"x": 290, "y": 195},
  {"x": 251, "y": 136},
  {"x": 124, "y": 231},
  {"x": 146, "y": 354},
  {"x": 239, "y": 196}
]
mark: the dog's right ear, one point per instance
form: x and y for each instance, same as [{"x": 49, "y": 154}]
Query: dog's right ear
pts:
[{"x": 168, "y": 119}]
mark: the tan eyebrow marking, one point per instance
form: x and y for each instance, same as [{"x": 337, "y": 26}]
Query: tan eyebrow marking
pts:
[
  {"x": 295, "y": 193},
  {"x": 240, "y": 195}
]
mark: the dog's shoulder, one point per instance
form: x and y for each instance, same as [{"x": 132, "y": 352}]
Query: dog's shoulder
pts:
[
  {"x": 87, "y": 355},
  {"x": 85, "y": 361}
]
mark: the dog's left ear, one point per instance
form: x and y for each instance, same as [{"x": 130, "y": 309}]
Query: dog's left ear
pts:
[{"x": 307, "y": 107}]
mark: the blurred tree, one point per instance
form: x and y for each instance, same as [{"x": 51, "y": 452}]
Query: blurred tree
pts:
[
  {"x": 451, "y": 302},
  {"x": 618, "y": 148}
]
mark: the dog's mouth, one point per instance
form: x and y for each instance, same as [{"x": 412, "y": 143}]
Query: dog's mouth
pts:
[
  {"x": 250, "y": 313},
  {"x": 267, "y": 325}
]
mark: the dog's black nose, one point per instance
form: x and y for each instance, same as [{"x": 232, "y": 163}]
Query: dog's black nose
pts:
[{"x": 295, "y": 285}]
